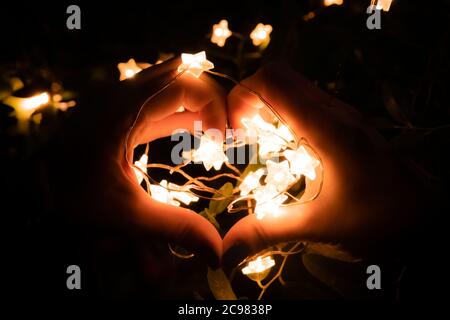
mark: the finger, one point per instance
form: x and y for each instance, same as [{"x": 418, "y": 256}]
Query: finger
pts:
[
  {"x": 201, "y": 96},
  {"x": 176, "y": 225},
  {"x": 251, "y": 235},
  {"x": 294, "y": 98}
]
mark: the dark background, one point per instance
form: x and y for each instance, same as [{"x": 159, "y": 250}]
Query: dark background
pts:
[{"x": 396, "y": 76}]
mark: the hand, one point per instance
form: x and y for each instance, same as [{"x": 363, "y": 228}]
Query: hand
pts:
[
  {"x": 92, "y": 181},
  {"x": 367, "y": 202}
]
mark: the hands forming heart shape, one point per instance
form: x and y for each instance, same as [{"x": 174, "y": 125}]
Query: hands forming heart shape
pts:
[{"x": 366, "y": 202}]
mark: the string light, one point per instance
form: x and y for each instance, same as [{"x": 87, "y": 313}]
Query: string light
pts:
[
  {"x": 25, "y": 107},
  {"x": 279, "y": 174},
  {"x": 384, "y": 5},
  {"x": 210, "y": 153},
  {"x": 195, "y": 64},
  {"x": 220, "y": 33},
  {"x": 130, "y": 68},
  {"x": 259, "y": 268},
  {"x": 302, "y": 163},
  {"x": 142, "y": 165},
  {"x": 268, "y": 201},
  {"x": 251, "y": 182},
  {"x": 169, "y": 193},
  {"x": 261, "y": 34}
]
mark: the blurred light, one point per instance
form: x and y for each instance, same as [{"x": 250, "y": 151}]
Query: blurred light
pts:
[
  {"x": 331, "y": 2},
  {"x": 261, "y": 34},
  {"x": 130, "y": 68},
  {"x": 384, "y": 5},
  {"x": 258, "y": 269},
  {"x": 220, "y": 33}
]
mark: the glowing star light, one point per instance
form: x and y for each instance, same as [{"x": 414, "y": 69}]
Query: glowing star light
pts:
[
  {"x": 220, "y": 33},
  {"x": 279, "y": 174},
  {"x": 268, "y": 201},
  {"x": 141, "y": 164},
  {"x": 327, "y": 3},
  {"x": 384, "y": 5},
  {"x": 261, "y": 34},
  {"x": 259, "y": 268},
  {"x": 210, "y": 153},
  {"x": 25, "y": 107},
  {"x": 130, "y": 68},
  {"x": 302, "y": 163},
  {"x": 251, "y": 182},
  {"x": 195, "y": 64},
  {"x": 163, "y": 193}
]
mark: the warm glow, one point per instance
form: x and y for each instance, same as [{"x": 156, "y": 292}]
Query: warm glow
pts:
[
  {"x": 24, "y": 107},
  {"x": 270, "y": 139},
  {"x": 209, "y": 152},
  {"x": 261, "y": 34},
  {"x": 220, "y": 33},
  {"x": 195, "y": 64},
  {"x": 251, "y": 182},
  {"x": 141, "y": 164},
  {"x": 279, "y": 174},
  {"x": 268, "y": 201},
  {"x": 384, "y": 5},
  {"x": 258, "y": 265},
  {"x": 331, "y": 2},
  {"x": 302, "y": 163},
  {"x": 130, "y": 68},
  {"x": 169, "y": 193}
]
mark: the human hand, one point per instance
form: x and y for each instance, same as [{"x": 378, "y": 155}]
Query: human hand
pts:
[
  {"x": 91, "y": 178},
  {"x": 367, "y": 201}
]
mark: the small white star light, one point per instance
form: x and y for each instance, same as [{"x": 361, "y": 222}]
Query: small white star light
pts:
[
  {"x": 327, "y": 3},
  {"x": 130, "y": 68},
  {"x": 25, "y": 107},
  {"x": 270, "y": 139},
  {"x": 302, "y": 163},
  {"x": 195, "y": 64},
  {"x": 259, "y": 268},
  {"x": 251, "y": 182},
  {"x": 169, "y": 193},
  {"x": 141, "y": 164},
  {"x": 261, "y": 34},
  {"x": 210, "y": 153},
  {"x": 279, "y": 174},
  {"x": 384, "y": 5},
  {"x": 268, "y": 201},
  {"x": 220, "y": 33}
]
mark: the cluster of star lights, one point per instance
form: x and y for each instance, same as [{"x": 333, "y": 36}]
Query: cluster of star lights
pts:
[{"x": 284, "y": 162}]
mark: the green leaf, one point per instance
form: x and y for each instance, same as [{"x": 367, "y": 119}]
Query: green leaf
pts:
[
  {"x": 330, "y": 251},
  {"x": 347, "y": 279},
  {"x": 219, "y": 285},
  {"x": 210, "y": 217},
  {"x": 217, "y": 206}
]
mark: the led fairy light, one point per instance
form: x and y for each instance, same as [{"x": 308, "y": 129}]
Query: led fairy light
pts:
[
  {"x": 259, "y": 268},
  {"x": 195, "y": 64},
  {"x": 130, "y": 68},
  {"x": 327, "y": 3},
  {"x": 384, "y": 5},
  {"x": 264, "y": 191},
  {"x": 25, "y": 107},
  {"x": 261, "y": 34},
  {"x": 220, "y": 33}
]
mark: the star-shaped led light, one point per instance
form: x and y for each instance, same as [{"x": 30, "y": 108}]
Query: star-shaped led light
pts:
[
  {"x": 279, "y": 174},
  {"x": 270, "y": 139},
  {"x": 130, "y": 68},
  {"x": 182, "y": 193},
  {"x": 141, "y": 164},
  {"x": 162, "y": 194},
  {"x": 209, "y": 152},
  {"x": 258, "y": 265},
  {"x": 195, "y": 64},
  {"x": 251, "y": 182},
  {"x": 268, "y": 202},
  {"x": 220, "y": 33},
  {"x": 25, "y": 107},
  {"x": 384, "y": 5},
  {"x": 302, "y": 163},
  {"x": 261, "y": 34},
  {"x": 327, "y": 3}
]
